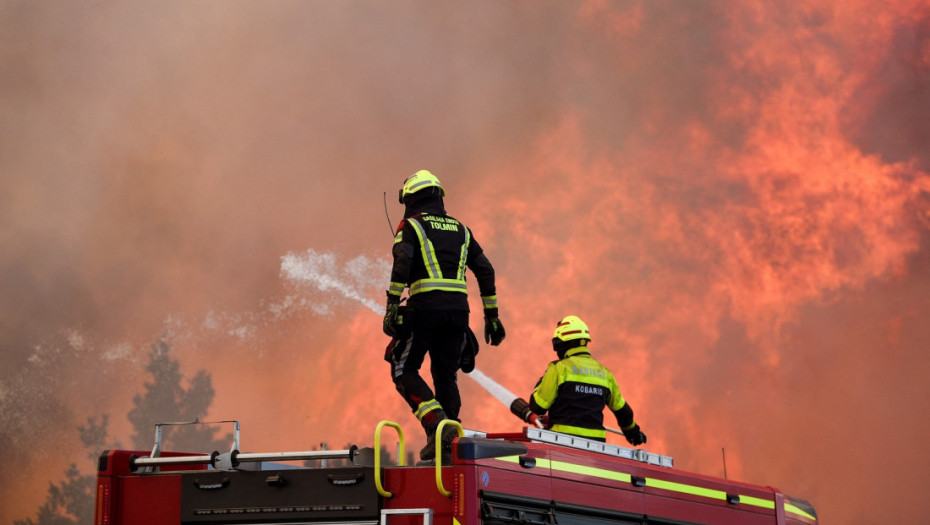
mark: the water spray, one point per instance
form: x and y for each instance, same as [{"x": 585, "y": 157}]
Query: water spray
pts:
[
  {"x": 493, "y": 387},
  {"x": 353, "y": 280}
]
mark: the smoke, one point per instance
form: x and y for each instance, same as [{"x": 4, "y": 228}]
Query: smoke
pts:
[{"x": 734, "y": 196}]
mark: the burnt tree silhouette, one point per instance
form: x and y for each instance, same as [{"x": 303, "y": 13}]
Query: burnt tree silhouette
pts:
[
  {"x": 71, "y": 501},
  {"x": 166, "y": 400}
]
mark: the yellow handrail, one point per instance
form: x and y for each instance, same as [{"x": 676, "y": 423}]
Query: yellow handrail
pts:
[
  {"x": 400, "y": 460},
  {"x": 438, "y": 460}
]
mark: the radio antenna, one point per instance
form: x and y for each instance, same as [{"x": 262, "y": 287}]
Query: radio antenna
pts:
[
  {"x": 724, "y": 451},
  {"x": 390, "y": 224}
]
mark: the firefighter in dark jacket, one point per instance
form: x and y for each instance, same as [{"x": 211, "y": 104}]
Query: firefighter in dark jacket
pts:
[
  {"x": 575, "y": 389},
  {"x": 431, "y": 251}
]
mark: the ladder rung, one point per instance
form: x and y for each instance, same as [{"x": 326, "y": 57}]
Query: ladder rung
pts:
[
  {"x": 245, "y": 457},
  {"x": 237, "y": 457},
  {"x": 203, "y": 459}
]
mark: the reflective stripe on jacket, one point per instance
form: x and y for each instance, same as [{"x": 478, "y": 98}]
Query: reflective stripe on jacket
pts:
[
  {"x": 431, "y": 253},
  {"x": 575, "y": 390}
]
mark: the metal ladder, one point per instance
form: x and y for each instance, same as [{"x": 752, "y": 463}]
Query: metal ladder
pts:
[
  {"x": 230, "y": 460},
  {"x": 566, "y": 440}
]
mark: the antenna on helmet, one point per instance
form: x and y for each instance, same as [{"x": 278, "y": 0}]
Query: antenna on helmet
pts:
[{"x": 390, "y": 224}]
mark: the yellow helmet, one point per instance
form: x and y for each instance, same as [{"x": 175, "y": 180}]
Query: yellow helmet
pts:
[
  {"x": 418, "y": 181},
  {"x": 571, "y": 328},
  {"x": 571, "y": 332}
]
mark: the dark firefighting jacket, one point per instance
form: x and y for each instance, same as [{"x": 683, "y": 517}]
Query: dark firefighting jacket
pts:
[
  {"x": 431, "y": 252},
  {"x": 575, "y": 390}
]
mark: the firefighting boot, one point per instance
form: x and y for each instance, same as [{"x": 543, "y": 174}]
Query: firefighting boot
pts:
[
  {"x": 428, "y": 452},
  {"x": 449, "y": 433}
]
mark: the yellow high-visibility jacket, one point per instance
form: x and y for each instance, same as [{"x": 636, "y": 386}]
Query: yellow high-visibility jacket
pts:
[{"x": 574, "y": 391}]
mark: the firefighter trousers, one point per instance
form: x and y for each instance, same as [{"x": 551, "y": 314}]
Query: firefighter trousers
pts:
[{"x": 441, "y": 334}]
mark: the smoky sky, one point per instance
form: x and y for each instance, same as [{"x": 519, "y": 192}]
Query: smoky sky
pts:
[{"x": 734, "y": 196}]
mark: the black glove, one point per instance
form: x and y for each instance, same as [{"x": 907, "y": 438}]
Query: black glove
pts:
[
  {"x": 493, "y": 331},
  {"x": 469, "y": 352},
  {"x": 389, "y": 324},
  {"x": 634, "y": 436}
]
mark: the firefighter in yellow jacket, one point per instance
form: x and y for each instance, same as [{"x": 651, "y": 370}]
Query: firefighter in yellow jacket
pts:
[
  {"x": 431, "y": 252},
  {"x": 571, "y": 395}
]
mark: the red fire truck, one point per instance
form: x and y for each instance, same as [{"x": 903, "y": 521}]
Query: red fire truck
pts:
[{"x": 533, "y": 477}]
